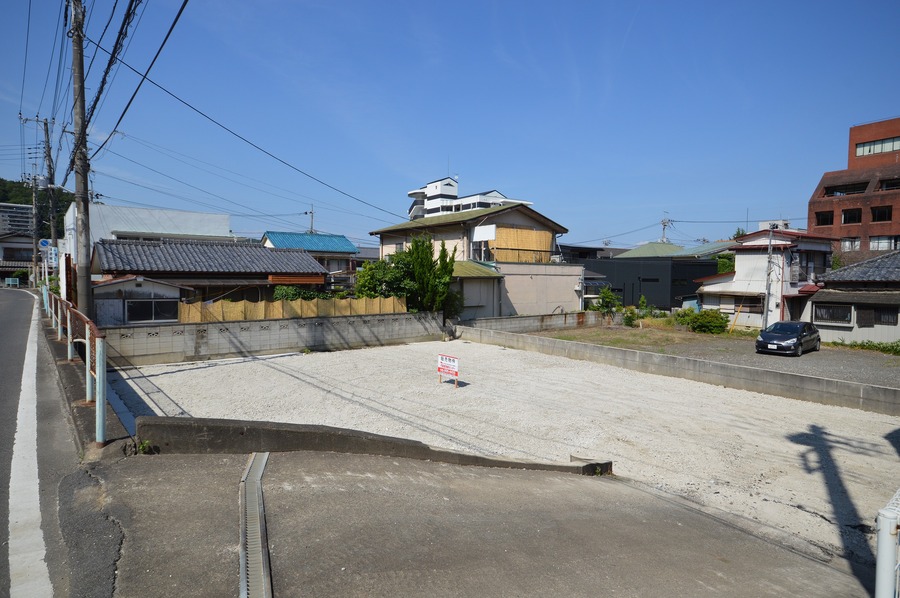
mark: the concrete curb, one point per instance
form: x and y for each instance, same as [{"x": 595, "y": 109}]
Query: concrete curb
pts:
[{"x": 181, "y": 435}]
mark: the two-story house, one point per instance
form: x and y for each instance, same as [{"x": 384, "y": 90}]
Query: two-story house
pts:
[
  {"x": 775, "y": 274},
  {"x": 508, "y": 238}
]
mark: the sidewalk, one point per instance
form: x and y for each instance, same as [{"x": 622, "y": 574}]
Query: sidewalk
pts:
[{"x": 357, "y": 525}]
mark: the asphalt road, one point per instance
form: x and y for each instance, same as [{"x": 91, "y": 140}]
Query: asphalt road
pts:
[{"x": 56, "y": 450}]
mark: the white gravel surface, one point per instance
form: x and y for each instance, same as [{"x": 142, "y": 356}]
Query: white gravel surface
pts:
[{"x": 817, "y": 472}]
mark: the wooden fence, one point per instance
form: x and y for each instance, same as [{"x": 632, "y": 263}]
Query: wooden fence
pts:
[{"x": 236, "y": 311}]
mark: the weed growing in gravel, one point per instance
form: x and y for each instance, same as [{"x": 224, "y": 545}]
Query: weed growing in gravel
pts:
[{"x": 889, "y": 348}]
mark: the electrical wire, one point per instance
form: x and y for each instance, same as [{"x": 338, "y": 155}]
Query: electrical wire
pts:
[
  {"x": 317, "y": 201},
  {"x": 25, "y": 60},
  {"x": 248, "y": 142},
  {"x": 143, "y": 78}
]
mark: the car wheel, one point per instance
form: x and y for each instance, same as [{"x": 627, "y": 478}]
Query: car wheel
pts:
[
  {"x": 799, "y": 350},
  {"x": 818, "y": 344}
]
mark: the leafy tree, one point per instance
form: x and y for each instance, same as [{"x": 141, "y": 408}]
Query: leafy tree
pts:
[
  {"x": 413, "y": 273},
  {"x": 740, "y": 232},
  {"x": 385, "y": 278},
  {"x": 724, "y": 263}
]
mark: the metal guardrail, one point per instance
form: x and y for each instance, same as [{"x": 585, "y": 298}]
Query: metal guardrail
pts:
[
  {"x": 75, "y": 327},
  {"x": 886, "y": 561}
]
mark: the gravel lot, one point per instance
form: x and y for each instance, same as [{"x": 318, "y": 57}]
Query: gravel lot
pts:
[
  {"x": 817, "y": 472},
  {"x": 834, "y": 362}
]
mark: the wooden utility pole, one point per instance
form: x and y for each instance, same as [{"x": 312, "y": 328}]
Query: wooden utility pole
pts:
[
  {"x": 51, "y": 191},
  {"x": 82, "y": 167}
]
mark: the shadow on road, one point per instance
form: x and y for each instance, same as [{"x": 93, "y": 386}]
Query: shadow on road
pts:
[{"x": 819, "y": 458}]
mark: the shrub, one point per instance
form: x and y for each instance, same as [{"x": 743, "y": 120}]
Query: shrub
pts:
[
  {"x": 685, "y": 316},
  {"x": 630, "y": 316},
  {"x": 710, "y": 321}
]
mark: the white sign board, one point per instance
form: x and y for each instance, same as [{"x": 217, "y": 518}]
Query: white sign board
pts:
[
  {"x": 448, "y": 366},
  {"x": 487, "y": 232}
]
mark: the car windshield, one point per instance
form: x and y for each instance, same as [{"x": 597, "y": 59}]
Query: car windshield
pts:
[{"x": 785, "y": 327}]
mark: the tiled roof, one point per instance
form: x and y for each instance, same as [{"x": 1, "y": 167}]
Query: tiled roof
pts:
[
  {"x": 425, "y": 224},
  {"x": 884, "y": 268},
  {"x": 198, "y": 257},
  {"x": 314, "y": 242}
]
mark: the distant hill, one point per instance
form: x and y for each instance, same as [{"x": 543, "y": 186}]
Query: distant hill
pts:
[{"x": 20, "y": 193}]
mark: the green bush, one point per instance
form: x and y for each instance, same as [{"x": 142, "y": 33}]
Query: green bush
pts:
[
  {"x": 710, "y": 321},
  {"x": 685, "y": 316},
  {"x": 630, "y": 316}
]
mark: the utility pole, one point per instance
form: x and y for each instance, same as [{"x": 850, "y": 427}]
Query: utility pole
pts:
[
  {"x": 34, "y": 231},
  {"x": 765, "y": 324},
  {"x": 51, "y": 181},
  {"x": 82, "y": 167},
  {"x": 311, "y": 214},
  {"x": 665, "y": 224}
]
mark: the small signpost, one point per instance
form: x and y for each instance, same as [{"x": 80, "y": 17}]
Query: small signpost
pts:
[{"x": 448, "y": 367}]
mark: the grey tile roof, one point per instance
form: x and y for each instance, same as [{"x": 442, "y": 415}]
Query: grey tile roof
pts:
[
  {"x": 198, "y": 257},
  {"x": 883, "y": 268}
]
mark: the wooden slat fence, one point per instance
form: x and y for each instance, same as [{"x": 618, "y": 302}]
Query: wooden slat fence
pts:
[{"x": 236, "y": 311}]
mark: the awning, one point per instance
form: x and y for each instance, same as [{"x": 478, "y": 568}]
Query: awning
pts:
[{"x": 860, "y": 297}]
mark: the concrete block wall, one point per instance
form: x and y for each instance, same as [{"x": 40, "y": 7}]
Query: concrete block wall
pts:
[
  {"x": 172, "y": 343},
  {"x": 876, "y": 399},
  {"x": 525, "y": 324}
]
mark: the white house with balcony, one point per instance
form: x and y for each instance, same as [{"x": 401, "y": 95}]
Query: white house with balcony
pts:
[{"x": 775, "y": 269}]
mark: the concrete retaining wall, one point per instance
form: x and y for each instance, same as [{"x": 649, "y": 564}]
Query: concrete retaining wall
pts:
[
  {"x": 182, "y": 435},
  {"x": 877, "y": 399},
  {"x": 525, "y": 324},
  {"x": 172, "y": 343}
]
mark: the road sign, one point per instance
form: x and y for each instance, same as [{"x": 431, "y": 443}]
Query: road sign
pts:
[{"x": 44, "y": 243}]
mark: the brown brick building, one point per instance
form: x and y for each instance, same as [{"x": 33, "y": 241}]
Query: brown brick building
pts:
[{"x": 861, "y": 205}]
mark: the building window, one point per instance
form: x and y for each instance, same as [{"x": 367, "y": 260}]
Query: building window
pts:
[
  {"x": 884, "y": 243},
  {"x": 850, "y": 244},
  {"x": 878, "y": 147},
  {"x": 841, "y": 190},
  {"x": 832, "y": 314},
  {"x": 752, "y": 305},
  {"x": 886, "y": 315},
  {"x": 890, "y": 184},
  {"x": 824, "y": 218},
  {"x": 851, "y": 216},
  {"x": 151, "y": 310},
  {"x": 882, "y": 213}
]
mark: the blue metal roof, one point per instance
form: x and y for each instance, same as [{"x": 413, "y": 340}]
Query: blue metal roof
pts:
[{"x": 312, "y": 242}]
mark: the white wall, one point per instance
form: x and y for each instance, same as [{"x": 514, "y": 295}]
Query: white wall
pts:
[{"x": 535, "y": 289}]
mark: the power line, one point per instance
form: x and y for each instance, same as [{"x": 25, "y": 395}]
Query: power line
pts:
[
  {"x": 25, "y": 61},
  {"x": 248, "y": 142},
  {"x": 143, "y": 78},
  {"x": 319, "y": 202}
]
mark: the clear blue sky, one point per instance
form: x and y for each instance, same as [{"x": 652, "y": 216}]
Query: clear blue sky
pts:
[{"x": 608, "y": 116}]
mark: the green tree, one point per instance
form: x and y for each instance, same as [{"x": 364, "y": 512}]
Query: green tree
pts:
[
  {"x": 725, "y": 262},
  {"x": 386, "y": 278},
  {"x": 740, "y": 232},
  {"x": 413, "y": 273}
]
